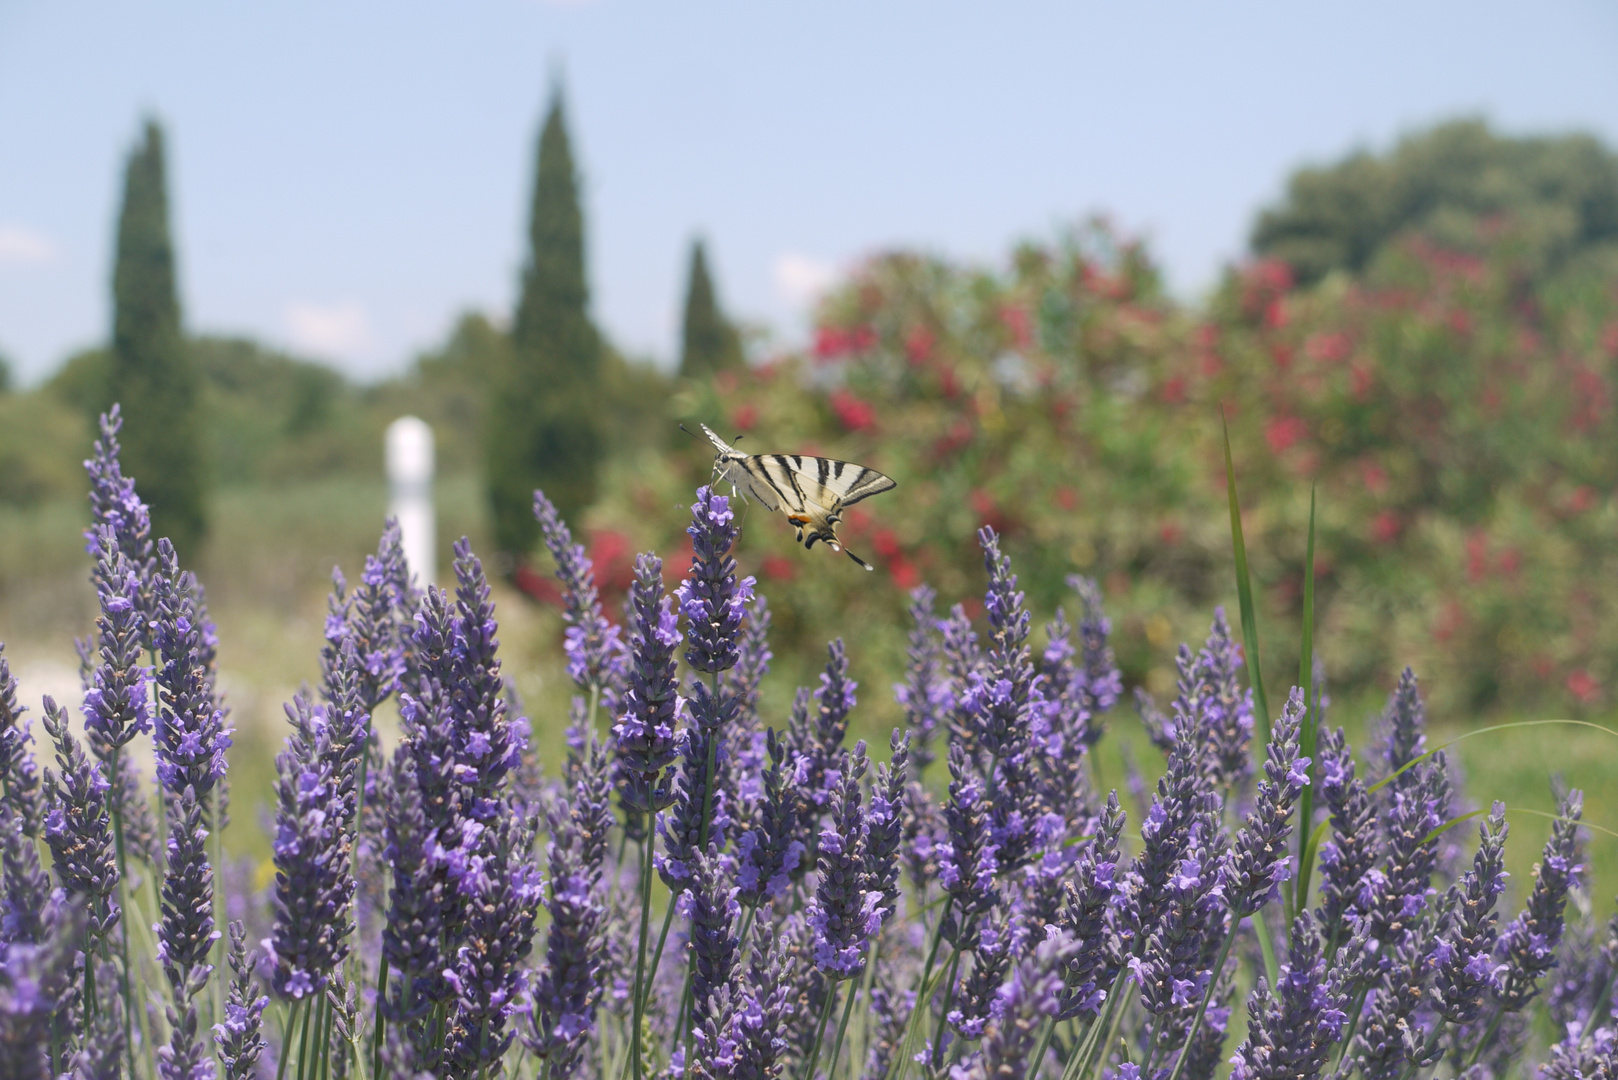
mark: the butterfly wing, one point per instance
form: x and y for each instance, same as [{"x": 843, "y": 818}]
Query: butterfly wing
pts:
[
  {"x": 733, "y": 468},
  {"x": 815, "y": 491}
]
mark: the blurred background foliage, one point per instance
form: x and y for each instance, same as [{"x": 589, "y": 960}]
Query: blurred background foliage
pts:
[{"x": 1429, "y": 337}]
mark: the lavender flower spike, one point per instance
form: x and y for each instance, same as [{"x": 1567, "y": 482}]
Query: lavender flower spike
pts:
[
  {"x": 1103, "y": 682},
  {"x": 19, "y": 776},
  {"x": 313, "y": 889},
  {"x": 1259, "y": 862},
  {"x": 713, "y": 939},
  {"x": 114, "y": 506},
  {"x": 595, "y": 653},
  {"x": 925, "y": 695},
  {"x": 77, "y": 827},
  {"x": 191, "y": 737},
  {"x": 1528, "y": 945},
  {"x": 713, "y": 602},
  {"x": 239, "y": 1036},
  {"x": 1290, "y": 1032},
  {"x": 1465, "y": 969},
  {"x": 844, "y": 913},
  {"x": 644, "y": 733},
  {"x": 1020, "y": 1007},
  {"x": 185, "y": 937},
  {"x": 1094, "y": 889},
  {"x": 117, "y": 706}
]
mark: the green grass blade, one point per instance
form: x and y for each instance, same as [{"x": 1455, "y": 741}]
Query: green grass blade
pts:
[
  {"x": 1407, "y": 766},
  {"x": 1452, "y": 822},
  {"x": 1244, "y": 594},
  {"x": 1306, "y": 680}
]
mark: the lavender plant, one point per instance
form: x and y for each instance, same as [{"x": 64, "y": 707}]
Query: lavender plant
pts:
[{"x": 823, "y": 913}]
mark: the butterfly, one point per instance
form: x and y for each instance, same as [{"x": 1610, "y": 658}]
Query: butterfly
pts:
[{"x": 812, "y": 491}]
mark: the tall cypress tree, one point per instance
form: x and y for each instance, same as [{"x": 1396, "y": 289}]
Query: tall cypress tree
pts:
[
  {"x": 153, "y": 374},
  {"x": 544, "y": 426},
  {"x": 710, "y": 344}
]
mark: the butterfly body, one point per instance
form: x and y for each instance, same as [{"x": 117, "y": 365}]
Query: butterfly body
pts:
[{"x": 812, "y": 492}]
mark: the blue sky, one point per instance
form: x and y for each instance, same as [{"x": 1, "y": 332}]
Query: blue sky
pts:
[{"x": 348, "y": 177}]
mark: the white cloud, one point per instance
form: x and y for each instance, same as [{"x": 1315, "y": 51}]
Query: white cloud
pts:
[
  {"x": 20, "y": 244},
  {"x": 341, "y": 330},
  {"x": 800, "y": 279}
]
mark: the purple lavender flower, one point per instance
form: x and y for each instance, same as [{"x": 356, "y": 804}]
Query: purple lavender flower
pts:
[
  {"x": 1388, "y": 1043},
  {"x": 413, "y": 937},
  {"x": 753, "y": 657},
  {"x": 1093, "y": 965},
  {"x": 845, "y": 912},
  {"x": 701, "y": 810},
  {"x": 114, "y": 506},
  {"x": 19, "y": 776},
  {"x": 1394, "y": 895},
  {"x": 1103, "y": 683},
  {"x": 1347, "y": 857},
  {"x": 1462, "y": 957},
  {"x": 570, "y": 987},
  {"x": 973, "y": 997},
  {"x": 117, "y": 705},
  {"x": 26, "y": 907},
  {"x": 240, "y": 1036},
  {"x": 77, "y": 827},
  {"x": 925, "y": 695},
  {"x": 816, "y": 729},
  {"x": 373, "y": 617},
  {"x": 644, "y": 736},
  {"x": 1164, "y": 835},
  {"x": 185, "y": 937},
  {"x": 487, "y": 973},
  {"x": 487, "y": 746},
  {"x": 1402, "y": 732},
  {"x": 885, "y": 823},
  {"x": 961, "y": 652},
  {"x": 967, "y": 861},
  {"x": 1020, "y": 1007},
  {"x": 1226, "y": 709},
  {"x": 713, "y": 922},
  {"x": 1528, "y": 945},
  {"x": 313, "y": 888},
  {"x": 36, "y": 990},
  {"x": 190, "y": 734},
  {"x": 711, "y": 599},
  {"x": 745, "y": 1036},
  {"x": 769, "y": 856},
  {"x": 1290, "y": 1033},
  {"x": 596, "y": 656},
  {"x": 1259, "y": 862},
  {"x": 924, "y": 831}
]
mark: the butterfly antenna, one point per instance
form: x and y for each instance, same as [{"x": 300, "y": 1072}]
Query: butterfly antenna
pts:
[
  {"x": 857, "y": 559},
  {"x": 688, "y": 432}
]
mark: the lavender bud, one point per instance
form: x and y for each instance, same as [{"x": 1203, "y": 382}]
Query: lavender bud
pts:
[
  {"x": 240, "y": 1037},
  {"x": 844, "y": 913},
  {"x": 1463, "y": 959},
  {"x": 925, "y": 695},
  {"x": 77, "y": 827},
  {"x": 1347, "y": 857},
  {"x": 769, "y": 856},
  {"x": 1290, "y": 1033},
  {"x": 190, "y": 736},
  {"x": 1093, "y": 891},
  {"x": 644, "y": 736},
  {"x": 19, "y": 776},
  {"x": 1528, "y": 945},
  {"x": 711, "y": 599},
  {"x": 1259, "y": 863},
  {"x": 115, "y": 508},
  {"x": 596, "y": 657},
  {"x": 1103, "y": 683}
]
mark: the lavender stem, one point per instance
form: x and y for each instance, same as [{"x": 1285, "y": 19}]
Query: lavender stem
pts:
[{"x": 1202, "y": 1006}]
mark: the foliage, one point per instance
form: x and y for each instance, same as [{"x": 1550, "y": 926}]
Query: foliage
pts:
[
  {"x": 1450, "y": 184},
  {"x": 708, "y": 343},
  {"x": 543, "y": 424},
  {"x": 152, "y": 373}
]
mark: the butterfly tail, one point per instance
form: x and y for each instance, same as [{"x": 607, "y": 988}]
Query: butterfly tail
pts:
[{"x": 857, "y": 559}]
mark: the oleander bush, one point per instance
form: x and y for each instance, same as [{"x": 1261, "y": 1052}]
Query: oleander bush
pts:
[{"x": 706, "y": 887}]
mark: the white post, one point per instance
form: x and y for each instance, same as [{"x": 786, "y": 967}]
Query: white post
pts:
[{"x": 410, "y": 475}]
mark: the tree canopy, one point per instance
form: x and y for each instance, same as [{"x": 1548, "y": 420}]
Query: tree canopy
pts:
[
  {"x": 1459, "y": 184},
  {"x": 709, "y": 343}
]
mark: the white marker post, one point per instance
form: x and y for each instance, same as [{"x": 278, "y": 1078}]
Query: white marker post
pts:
[{"x": 410, "y": 475}]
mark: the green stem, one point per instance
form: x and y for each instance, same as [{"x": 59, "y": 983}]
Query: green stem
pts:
[
  {"x": 923, "y": 994},
  {"x": 1202, "y": 1006},
  {"x": 286, "y": 1040},
  {"x": 1037, "y": 1059},
  {"x": 640, "y": 954},
  {"x": 380, "y": 1023},
  {"x": 820, "y": 1030},
  {"x": 115, "y": 804},
  {"x": 842, "y": 1026},
  {"x": 1488, "y": 1037},
  {"x": 1353, "y": 1026},
  {"x": 303, "y": 1045},
  {"x": 943, "y": 1015}
]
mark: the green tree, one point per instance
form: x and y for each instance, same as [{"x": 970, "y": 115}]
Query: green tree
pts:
[
  {"x": 153, "y": 374},
  {"x": 710, "y": 343},
  {"x": 1456, "y": 184},
  {"x": 544, "y": 426}
]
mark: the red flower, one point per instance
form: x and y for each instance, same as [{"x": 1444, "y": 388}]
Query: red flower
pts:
[
  {"x": 1449, "y": 622},
  {"x": 982, "y": 503},
  {"x": 1582, "y": 499},
  {"x": 1510, "y": 561},
  {"x": 1329, "y": 348},
  {"x": 1275, "y": 313},
  {"x": 949, "y": 383},
  {"x": 1174, "y": 390},
  {"x": 852, "y": 413},
  {"x": 919, "y": 346},
  {"x": 1016, "y": 319},
  {"x": 1609, "y": 340},
  {"x": 1169, "y": 533},
  {"x": 1362, "y": 380},
  {"x": 886, "y": 543},
  {"x": 1583, "y": 686},
  {"x": 1282, "y": 355},
  {"x": 905, "y": 575},
  {"x": 830, "y": 343},
  {"x": 1385, "y": 527},
  {"x": 1284, "y": 432},
  {"x": 1067, "y": 498},
  {"x": 1376, "y": 481},
  {"x": 778, "y": 568},
  {"x": 744, "y": 416}
]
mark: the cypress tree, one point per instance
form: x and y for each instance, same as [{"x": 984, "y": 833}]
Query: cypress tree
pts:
[
  {"x": 544, "y": 428},
  {"x": 710, "y": 344},
  {"x": 153, "y": 374}
]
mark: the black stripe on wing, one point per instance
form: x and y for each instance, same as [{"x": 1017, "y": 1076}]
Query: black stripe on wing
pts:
[{"x": 864, "y": 483}]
